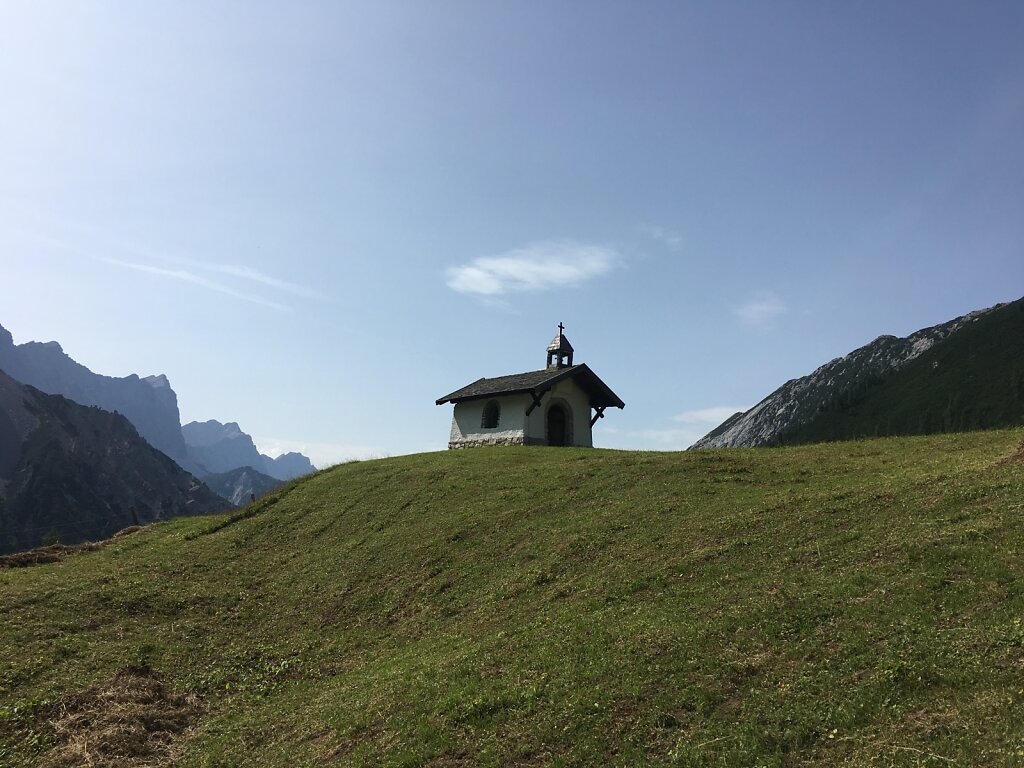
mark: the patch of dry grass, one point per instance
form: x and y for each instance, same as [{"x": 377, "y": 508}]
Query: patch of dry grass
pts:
[
  {"x": 1017, "y": 457},
  {"x": 57, "y": 552},
  {"x": 129, "y": 720}
]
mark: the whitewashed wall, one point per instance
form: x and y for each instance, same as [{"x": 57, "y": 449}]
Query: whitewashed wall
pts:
[
  {"x": 576, "y": 403},
  {"x": 515, "y": 427},
  {"x": 511, "y": 422}
]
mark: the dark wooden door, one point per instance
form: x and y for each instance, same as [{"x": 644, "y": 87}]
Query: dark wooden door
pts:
[{"x": 556, "y": 425}]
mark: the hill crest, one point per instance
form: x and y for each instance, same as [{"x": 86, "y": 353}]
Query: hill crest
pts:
[{"x": 576, "y": 607}]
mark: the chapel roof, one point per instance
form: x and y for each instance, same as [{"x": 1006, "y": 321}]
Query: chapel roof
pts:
[{"x": 537, "y": 383}]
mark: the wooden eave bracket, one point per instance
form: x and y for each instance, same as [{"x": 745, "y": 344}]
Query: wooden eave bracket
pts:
[
  {"x": 598, "y": 414},
  {"x": 535, "y": 403}
]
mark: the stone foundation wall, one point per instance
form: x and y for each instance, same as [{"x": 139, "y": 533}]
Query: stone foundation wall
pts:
[{"x": 482, "y": 442}]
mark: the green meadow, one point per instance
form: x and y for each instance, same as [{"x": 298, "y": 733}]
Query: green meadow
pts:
[{"x": 857, "y": 603}]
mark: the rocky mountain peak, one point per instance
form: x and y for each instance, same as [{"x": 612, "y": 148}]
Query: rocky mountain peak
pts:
[
  {"x": 49, "y": 347},
  {"x": 799, "y": 401},
  {"x": 152, "y": 410},
  {"x": 79, "y": 473},
  {"x": 157, "y": 382},
  {"x": 220, "y": 448}
]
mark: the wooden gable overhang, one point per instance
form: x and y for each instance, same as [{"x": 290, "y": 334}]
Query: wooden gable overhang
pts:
[{"x": 536, "y": 383}]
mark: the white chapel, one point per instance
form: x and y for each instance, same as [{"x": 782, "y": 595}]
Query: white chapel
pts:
[{"x": 557, "y": 405}]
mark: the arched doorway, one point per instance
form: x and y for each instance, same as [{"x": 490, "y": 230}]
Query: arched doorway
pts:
[{"x": 557, "y": 432}]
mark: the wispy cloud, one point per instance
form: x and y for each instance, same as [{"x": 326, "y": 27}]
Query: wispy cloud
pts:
[
  {"x": 537, "y": 267},
  {"x": 190, "y": 277},
  {"x": 259, "y": 277},
  {"x": 672, "y": 240},
  {"x": 149, "y": 254},
  {"x": 687, "y": 428},
  {"x": 761, "y": 309},
  {"x": 662, "y": 438},
  {"x": 709, "y": 417},
  {"x": 85, "y": 240}
]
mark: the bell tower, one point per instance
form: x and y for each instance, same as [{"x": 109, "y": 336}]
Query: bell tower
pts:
[{"x": 559, "y": 351}]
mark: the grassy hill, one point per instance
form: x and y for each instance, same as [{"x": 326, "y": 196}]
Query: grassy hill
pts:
[{"x": 855, "y": 603}]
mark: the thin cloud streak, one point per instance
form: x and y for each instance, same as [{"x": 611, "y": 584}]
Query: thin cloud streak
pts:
[
  {"x": 537, "y": 267},
  {"x": 760, "y": 310},
  {"x": 654, "y": 438},
  {"x": 689, "y": 427},
  {"x": 188, "y": 277},
  {"x": 140, "y": 250},
  {"x": 672, "y": 240},
  {"x": 255, "y": 276},
  {"x": 712, "y": 417}
]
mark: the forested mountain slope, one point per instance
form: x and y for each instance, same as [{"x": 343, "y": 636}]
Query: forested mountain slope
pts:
[{"x": 964, "y": 374}]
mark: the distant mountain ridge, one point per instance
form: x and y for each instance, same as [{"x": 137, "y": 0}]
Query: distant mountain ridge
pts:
[
  {"x": 240, "y": 485},
  {"x": 289, "y": 465},
  {"x": 222, "y": 447},
  {"x": 151, "y": 405},
  {"x": 967, "y": 373},
  {"x": 77, "y": 473},
  {"x": 148, "y": 402}
]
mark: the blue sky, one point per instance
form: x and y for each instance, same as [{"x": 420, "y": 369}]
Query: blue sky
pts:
[{"x": 316, "y": 218}]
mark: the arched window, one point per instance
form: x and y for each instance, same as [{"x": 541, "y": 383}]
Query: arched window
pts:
[{"x": 492, "y": 413}]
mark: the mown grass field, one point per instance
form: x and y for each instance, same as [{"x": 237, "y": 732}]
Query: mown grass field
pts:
[{"x": 842, "y": 604}]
